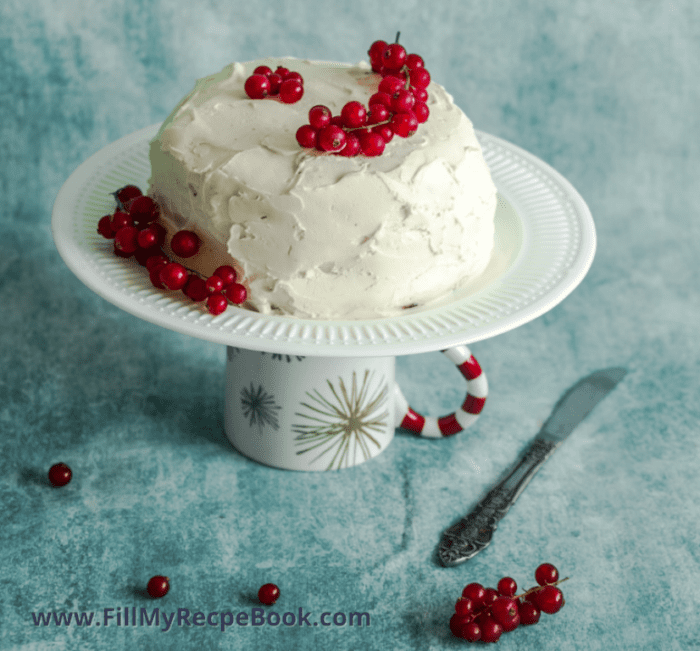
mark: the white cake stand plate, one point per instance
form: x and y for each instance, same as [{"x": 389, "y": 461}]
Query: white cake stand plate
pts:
[{"x": 545, "y": 242}]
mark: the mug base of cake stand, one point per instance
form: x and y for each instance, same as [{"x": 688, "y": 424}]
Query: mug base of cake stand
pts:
[{"x": 326, "y": 413}]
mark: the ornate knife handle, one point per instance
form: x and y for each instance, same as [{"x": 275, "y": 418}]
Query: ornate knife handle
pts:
[{"x": 474, "y": 532}]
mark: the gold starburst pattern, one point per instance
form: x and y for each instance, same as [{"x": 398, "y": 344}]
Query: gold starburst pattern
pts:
[{"x": 343, "y": 422}]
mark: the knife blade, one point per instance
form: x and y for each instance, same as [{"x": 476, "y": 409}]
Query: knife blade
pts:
[{"x": 474, "y": 532}]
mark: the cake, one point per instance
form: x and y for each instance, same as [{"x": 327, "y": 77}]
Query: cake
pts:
[{"x": 317, "y": 235}]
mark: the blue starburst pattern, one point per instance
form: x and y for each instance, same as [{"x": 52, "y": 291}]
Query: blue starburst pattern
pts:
[
  {"x": 344, "y": 421},
  {"x": 260, "y": 408}
]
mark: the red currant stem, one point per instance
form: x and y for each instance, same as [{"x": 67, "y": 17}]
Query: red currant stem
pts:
[
  {"x": 120, "y": 205},
  {"x": 539, "y": 587},
  {"x": 397, "y": 37},
  {"x": 366, "y": 126}
]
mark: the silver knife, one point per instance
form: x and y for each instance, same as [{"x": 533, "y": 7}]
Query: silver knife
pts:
[{"x": 473, "y": 533}]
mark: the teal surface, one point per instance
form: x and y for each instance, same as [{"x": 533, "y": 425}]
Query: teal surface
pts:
[{"x": 607, "y": 93}]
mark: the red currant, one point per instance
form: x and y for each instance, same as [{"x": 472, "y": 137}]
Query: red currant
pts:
[
  {"x": 378, "y": 113},
  {"x": 372, "y": 144},
  {"x": 173, "y": 275},
  {"x": 402, "y": 100},
  {"x": 195, "y": 288},
  {"x": 262, "y": 70},
  {"x": 464, "y": 606},
  {"x": 507, "y": 586},
  {"x": 419, "y": 78},
  {"x": 490, "y": 596},
  {"x": 291, "y": 90},
  {"x": 307, "y": 136},
  {"x": 158, "y": 586},
  {"x": 157, "y": 259},
  {"x": 504, "y": 609},
  {"x": 104, "y": 227},
  {"x": 121, "y": 219},
  {"x": 421, "y": 111},
  {"x": 236, "y": 293},
  {"x": 294, "y": 75},
  {"x": 143, "y": 255},
  {"x": 319, "y": 116},
  {"x": 143, "y": 210},
  {"x": 331, "y": 138},
  {"x": 391, "y": 85},
  {"x": 457, "y": 624},
  {"x": 549, "y": 599},
  {"x": 275, "y": 84},
  {"x": 214, "y": 285},
  {"x": 352, "y": 146},
  {"x": 471, "y": 632},
  {"x": 154, "y": 273},
  {"x": 257, "y": 86},
  {"x": 404, "y": 124},
  {"x": 376, "y": 51},
  {"x": 420, "y": 94},
  {"x": 413, "y": 61},
  {"x": 380, "y": 98},
  {"x": 268, "y": 594},
  {"x": 216, "y": 304},
  {"x": 125, "y": 240},
  {"x": 282, "y": 72},
  {"x": 60, "y": 474},
  {"x": 147, "y": 238},
  {"x": 128, "y": 192},
  {"x": 529, "y": 613},
  {"x": 353, "y": 114},
  {"x": 185, "y": 244},
  {"x": 491, "y": 630},
  {"x": 385, "y": 131},
  {"x": 227, "y": 274},
  {"x": 475, "y": 592},
  {"x": 546, "y": 573},
  {"x": 394, "y": 56}
]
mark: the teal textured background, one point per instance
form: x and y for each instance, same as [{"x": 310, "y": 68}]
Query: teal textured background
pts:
[{"x": 607, "y": 93}]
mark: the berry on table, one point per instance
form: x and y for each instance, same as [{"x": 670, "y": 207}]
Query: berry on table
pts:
[
  {"x": 529, "y": 613},
  {"x": 546, "y": 573},
  {"x": 60, "y": 474},
  {"x": 549, "y": 599},
  {"x": 268, "y": 594},
  {"x": 507, "y": 586},
  {"x": 476, "y": 592},
  {"x": 158, "y": 586}
]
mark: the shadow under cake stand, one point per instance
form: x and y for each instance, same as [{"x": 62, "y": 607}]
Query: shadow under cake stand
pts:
[{"x": 319, "y": 395}]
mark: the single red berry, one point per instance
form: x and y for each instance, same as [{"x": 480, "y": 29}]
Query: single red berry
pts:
[
  {"x": 154, "y": 273},
  {"x": 331, "y": 138},
  {"x": 457, "y": 623},
  {"x": 421, "y": 111},
  {"x": 376, "y": 51},
  {"x": 121, "y": 219},
  {"x": 157, "y": 259},
  {"x": 143, "y": 255},
  {"x": 475, "y": 592},
  {"x": 125, "y": 239},
  {"x": 471, "y": 632},
  {"x": 195, "y": 288},
  {"x": 216, "y": 304},
  {"x": 143, "y": 210},
  {"x": 294, "y": 75},
  {"x": 147, "y": 238},
  {"x": 464, "y": 606},
  {"x": 268, "y": 594},
  {"x": 420, "y": 94},
  {"x": 214, "y": 285},
  {"x": 307, "y": 136},
  {"x": 352, "y": 146},
  {"x": 491, "y": 630},
  {"x": 158, "y": 586},
  {"x": 378, "y": 113},
  {"x": 282, "y": 72},
  {"x": 380, "y": 98},
  {"x": 257, "y": 86},
  {"x": 104, "y": 227},
  {"x": 548, "y": 599},
  {"x": 372, "y": 144},
  {"x": 402, "y": 100},
  {"x": 354, "y": 114},
  {"x": 262, "y": 70},
  {"x": 394, "y": 56},
  {"x": 419, "y": 78},
  {"x": 414, "y": 61},
  {"x": 385, "y": 131},
  {"x": 490, "y": 596},
  {"x": 337, "y": 121},
  {"x": 173, "y": 275},
  {"x": 546, "y": 573},
  {"x": 275, "y": 84},
  {"x": 504, "y": 609},
  {"x": 128, "y": 192},
  {"x": 185, "y": 244},
  {"x": 60, "y": 474},
  {"x": 227, "y": 274},
  {"x": 236, "y": 293},
  {"x": 319, "y": 116},
  {"x": 291, "y": 90},
  {"x": 529, "y": 613},
  {"x": 507, "y": 586},
  {"x": 404, "y": 124},
  {"x": 391, "y": 85}
]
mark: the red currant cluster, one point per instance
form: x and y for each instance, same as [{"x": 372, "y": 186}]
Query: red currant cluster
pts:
[
  {"x": 397, "y": 108},
  {"x": 485, "y": 613},
  {"x": 285, "y": 84},
  {"x": 136, "y": 232}
]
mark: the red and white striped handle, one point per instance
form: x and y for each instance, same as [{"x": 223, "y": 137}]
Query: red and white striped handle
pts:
[{"x": 466, "y": 415}]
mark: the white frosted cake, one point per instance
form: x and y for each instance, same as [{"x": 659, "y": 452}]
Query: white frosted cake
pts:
[{"x": 318, "y": 235}]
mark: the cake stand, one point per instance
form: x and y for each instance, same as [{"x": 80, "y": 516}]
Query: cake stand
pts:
[{"x": 317, "y": 395}]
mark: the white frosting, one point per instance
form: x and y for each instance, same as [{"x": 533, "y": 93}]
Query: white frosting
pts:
[{"x": 319, "y": 235}]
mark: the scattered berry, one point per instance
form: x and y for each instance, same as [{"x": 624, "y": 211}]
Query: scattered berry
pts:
[
  {"x": 548, "y": 599},
  {"x": 60, "y": 474},
  {"x": 185, "y": 244},
  {"x": 158, "y": 586},
  {"x": 268, "y": 594},
  {"x": 507, "y": 586},
  {"x": 546, "y": 573}
]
